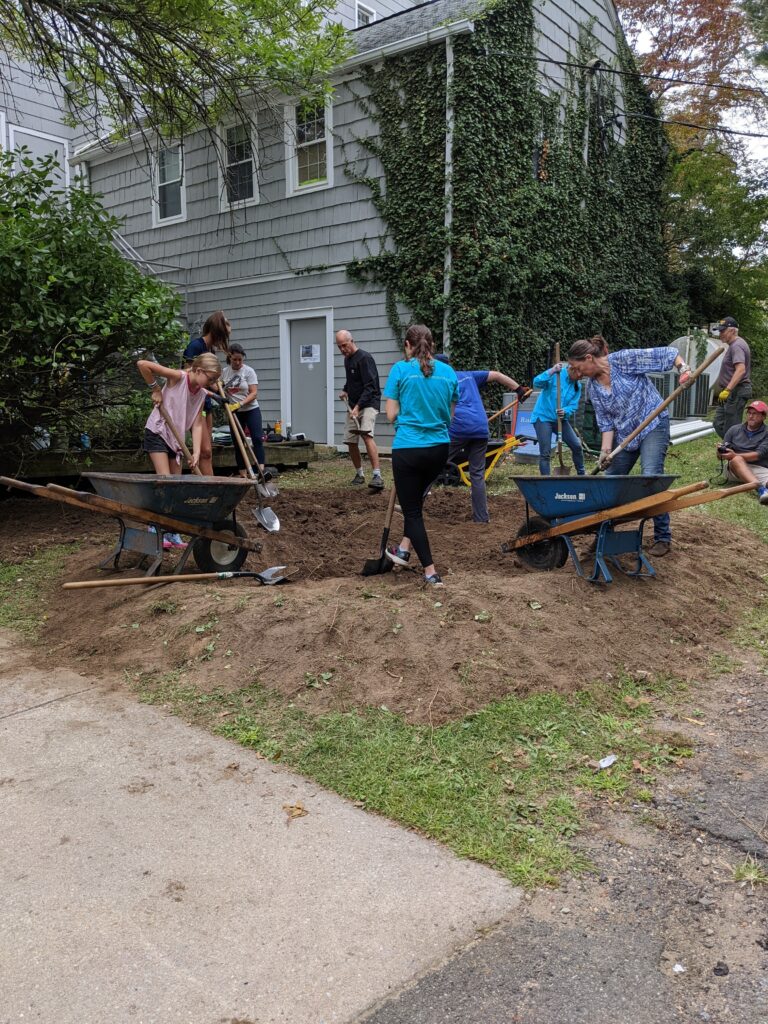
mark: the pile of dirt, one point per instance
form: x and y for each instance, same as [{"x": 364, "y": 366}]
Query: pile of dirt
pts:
[{"x": 334, "y": 640}]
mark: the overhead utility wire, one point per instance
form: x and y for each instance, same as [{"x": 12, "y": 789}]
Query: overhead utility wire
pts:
[
  {"x": 600, "y": 66},
  {"x": 701, "y": 127}
]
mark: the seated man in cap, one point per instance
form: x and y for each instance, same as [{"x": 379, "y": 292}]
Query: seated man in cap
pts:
[
  {"x": 745, "y": 450},
  {"x": 733, "y": 388}
]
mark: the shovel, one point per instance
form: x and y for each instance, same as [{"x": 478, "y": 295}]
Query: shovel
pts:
[
  {"x": 179, "y": 440},
  {"x": 605, "y": 463},
  {"x": 358, "y": 429},
  {"x": 267, "y": 578},
  {"x": 562, "y": 469},
  {"x": 264, "y": 516},
  {"x": 380, "y": 565}
]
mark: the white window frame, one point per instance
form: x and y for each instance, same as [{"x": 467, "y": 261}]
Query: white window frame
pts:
[
  {"x": 3, "y": 137},
  {"x": 41, "y": 135},
  {"x": 368, "y": 10},
  {"x": 157, "y": 220},
  {"x": 224, "y": 204},
  {"x": 292, "y": 163}
]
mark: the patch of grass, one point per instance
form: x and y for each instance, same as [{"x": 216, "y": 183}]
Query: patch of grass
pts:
[
  {"x": 25, "y": 586},
  {"x": 753, "y": 631},
  {"x": 505, "y": 785},
  {"x": 163, "y": 608},
  {"x": 750, "y": 872}
]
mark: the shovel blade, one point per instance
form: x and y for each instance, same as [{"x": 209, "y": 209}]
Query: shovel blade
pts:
[
  {"x": 377, "y": 566},
  {"x": 266, "y": 517},
  {"x": 562, "y": 471}
]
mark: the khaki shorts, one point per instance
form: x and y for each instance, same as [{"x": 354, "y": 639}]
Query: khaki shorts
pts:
[
  {"x": 761, "y": 472},
  {"x": 367, "y": 421}
]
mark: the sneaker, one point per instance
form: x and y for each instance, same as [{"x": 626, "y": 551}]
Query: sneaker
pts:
[
  {"x": 358, "y": 479},
  {"x": 659, "y": 548},
  {"x": 173, "y": 540},
  {"x": 167, "y": 544},
  {"x": 762, "y": 495},
  {"x": 376, "y": 484},
  {"x": 434, "y": 580},
  {"x": 398, "y": 555}
]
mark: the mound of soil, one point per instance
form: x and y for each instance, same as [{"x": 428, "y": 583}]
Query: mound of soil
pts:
[{"x": 335, "y": 640}]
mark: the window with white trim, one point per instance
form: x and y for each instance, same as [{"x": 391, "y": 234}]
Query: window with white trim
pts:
[
  {"x": 239, "y": 166},
  {"x": 41, "y": 144},
  {"x": 364, "y": 15},
  {"x": 310, "y": 162},
  {"x": 170, "y": 200}
]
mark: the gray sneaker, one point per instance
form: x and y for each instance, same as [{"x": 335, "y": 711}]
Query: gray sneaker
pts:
[
  {"x": 358, "y": 479},
  {"x": 376, "y": 484}
]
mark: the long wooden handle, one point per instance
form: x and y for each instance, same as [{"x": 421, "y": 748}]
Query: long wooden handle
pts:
[
  {"x": 237, "y": 436},
  {"x": 179, "y": 440},
  {"x": 559, "y": 396},
  {"x": 390, "y": 509},
  {"x": 148, "y": 580},
  {"x": 667, "y": 401},
  {"x": 501, "y": 412}
]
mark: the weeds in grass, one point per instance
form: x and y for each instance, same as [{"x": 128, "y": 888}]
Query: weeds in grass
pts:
[
  {"x": 504, "y": 785},
  {"x": 163, "y": 608},
  {"x": 25, "y": 586}
]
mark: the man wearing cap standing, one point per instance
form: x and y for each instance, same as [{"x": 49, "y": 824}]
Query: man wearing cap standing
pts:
[
  {"x": 745, "y": 450},
  {"x": 734, "y": 386}
]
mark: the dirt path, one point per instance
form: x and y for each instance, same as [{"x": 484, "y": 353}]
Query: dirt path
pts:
[{"x": 608, "y": 947}]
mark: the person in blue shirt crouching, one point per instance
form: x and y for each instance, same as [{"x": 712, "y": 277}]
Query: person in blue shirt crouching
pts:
[{"x": 545, "y": 414}]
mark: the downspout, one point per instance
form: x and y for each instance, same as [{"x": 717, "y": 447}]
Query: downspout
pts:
[{"x": 448, "y": 191}]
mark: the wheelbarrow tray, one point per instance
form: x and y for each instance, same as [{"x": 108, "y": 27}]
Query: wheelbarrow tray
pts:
[
  {"x": 561, "y": 498},
  {"x": 203, "y": 500}
]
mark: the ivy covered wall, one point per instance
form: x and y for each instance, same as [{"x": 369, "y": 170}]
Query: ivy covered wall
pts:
[{"x": 546, "y": 246}]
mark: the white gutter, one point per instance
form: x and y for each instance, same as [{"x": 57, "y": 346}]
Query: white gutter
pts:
[
  {"x": 448, "y": 219},
  {"x": 426, "y": 38},
  {"x": 97, "y": 152}
]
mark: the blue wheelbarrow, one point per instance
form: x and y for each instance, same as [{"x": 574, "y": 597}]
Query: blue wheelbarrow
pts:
[{"x": 568, "y": 506}]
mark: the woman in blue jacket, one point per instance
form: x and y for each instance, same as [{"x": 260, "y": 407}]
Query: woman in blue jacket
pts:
[{"x": 545, "y": 413}]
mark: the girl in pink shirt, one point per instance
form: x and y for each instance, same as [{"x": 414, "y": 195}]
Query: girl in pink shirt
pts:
[{"x": 182, "y": 398}]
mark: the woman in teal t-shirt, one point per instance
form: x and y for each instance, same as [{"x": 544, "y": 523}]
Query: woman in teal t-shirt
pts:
[{"x": 420, "y": 394}]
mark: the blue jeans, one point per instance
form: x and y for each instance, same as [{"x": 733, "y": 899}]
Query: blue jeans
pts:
[
  {"x": 544, "y": 431},
  {"x": 652, "y": 450}
]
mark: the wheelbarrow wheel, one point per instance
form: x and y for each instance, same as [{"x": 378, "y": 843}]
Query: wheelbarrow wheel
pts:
[
  {"x": 547, "y": 554},
  {"x": 215, "y": 555}
]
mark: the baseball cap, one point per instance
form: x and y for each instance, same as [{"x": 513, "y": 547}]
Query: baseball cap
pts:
[
  {"x": 758, "y": 407},
  {"x": 724, "y": 324}
]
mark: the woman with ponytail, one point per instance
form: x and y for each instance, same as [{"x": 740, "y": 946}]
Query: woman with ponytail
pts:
[
  {"x": 214, "y": 338},
  {"x": 623, "y": 396},
  {"x": 420, "y": 394}
]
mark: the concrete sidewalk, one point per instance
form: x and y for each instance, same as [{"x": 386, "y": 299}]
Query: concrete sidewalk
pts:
[{"x": 150, "y": 874}]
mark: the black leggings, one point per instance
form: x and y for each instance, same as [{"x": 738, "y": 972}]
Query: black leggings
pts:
[
  {"x": 414, "y": 469},
  {"x": 250, "y": 419}
]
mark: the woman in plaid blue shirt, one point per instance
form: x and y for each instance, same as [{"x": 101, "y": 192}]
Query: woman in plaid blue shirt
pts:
[{"x": 622, "y": 396}]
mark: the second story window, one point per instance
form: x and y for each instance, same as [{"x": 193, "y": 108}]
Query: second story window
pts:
[
  {"x": 239, "y": 166},
  {"x": 310, "y": 148},
  {"x": 364, "y": 15},
  {"x": 169, "y": 190}
]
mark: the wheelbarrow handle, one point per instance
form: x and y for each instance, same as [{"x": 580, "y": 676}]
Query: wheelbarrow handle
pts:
[
  {"x": 659, "y": 409},
  {"x": 179, "y": 439}
]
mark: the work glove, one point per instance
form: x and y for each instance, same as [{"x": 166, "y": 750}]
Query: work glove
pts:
[
  {"x": 604, "y": 460},
  {"x": 723, "y": 396},
  {"x": 684, "y": 376},
  {"x": 233, "y": 406}
]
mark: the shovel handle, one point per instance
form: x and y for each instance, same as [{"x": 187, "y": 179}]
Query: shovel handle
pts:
[
  {"x": 179, "y": 439},
  {"x": 501, "y": 411},
  {"x": 659, "y": 409}
]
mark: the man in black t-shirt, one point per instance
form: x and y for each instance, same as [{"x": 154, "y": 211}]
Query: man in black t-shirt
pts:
[{"x": 362, "y": 394}]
